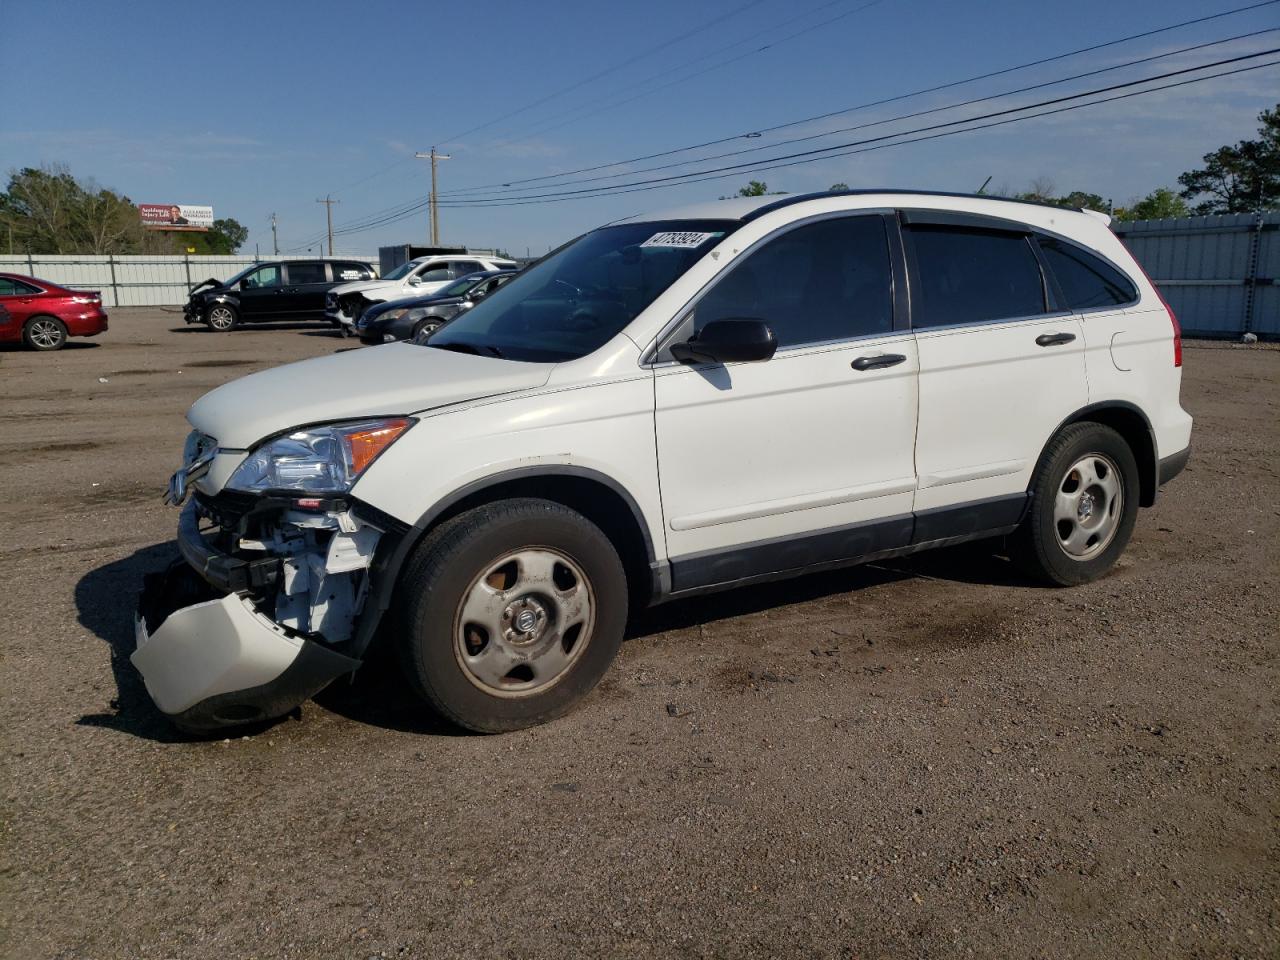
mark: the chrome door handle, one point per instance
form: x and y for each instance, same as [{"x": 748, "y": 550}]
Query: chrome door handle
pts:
[
  {"x": 878, "y": 361},
  {"x": 1054, "y": 339}
]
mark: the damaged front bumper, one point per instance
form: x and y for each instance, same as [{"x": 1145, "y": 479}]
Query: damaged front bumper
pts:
[{"x": 260, "y": 614}]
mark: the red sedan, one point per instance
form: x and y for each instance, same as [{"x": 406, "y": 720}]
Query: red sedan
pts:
[{"x": 42, "y": 314}]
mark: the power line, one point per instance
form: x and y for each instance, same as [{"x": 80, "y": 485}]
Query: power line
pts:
[
  {"x": 867, "y": 146},
  {"x": 517, "y": 191},
  {"x": 612, "y": 69},
  {"x": 609, "y": 104},
  {"x": 874, "y": 103},
  {"x": 809, "y": 156},
  {"x": 934, "y": 132}
]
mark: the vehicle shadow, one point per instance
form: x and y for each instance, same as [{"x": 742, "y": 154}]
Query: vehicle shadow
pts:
[
  {"x": 976, "y": 563},
  {"x": 104, "y": 606},
  {"x": 73, "y": 345},
  {"x": 302, "y": 325},
  {"x": 379, "y": 695}
]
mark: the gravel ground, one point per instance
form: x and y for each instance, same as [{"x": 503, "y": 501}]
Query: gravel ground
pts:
[{"x": 924, "y": 758}]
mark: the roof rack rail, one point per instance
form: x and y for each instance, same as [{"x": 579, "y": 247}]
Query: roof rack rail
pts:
[{"x": 802, "y": 197}]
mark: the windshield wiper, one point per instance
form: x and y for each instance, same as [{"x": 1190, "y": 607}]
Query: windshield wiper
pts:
[{"x": 477, "y": 349}]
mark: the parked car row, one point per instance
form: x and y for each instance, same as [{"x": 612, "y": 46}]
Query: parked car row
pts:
[
  {"x": 42, "y": 315},
  {"x": 286, "y": 290},
  {"x": 417, "y": 278},
  {"x": 416, "y": 317}
]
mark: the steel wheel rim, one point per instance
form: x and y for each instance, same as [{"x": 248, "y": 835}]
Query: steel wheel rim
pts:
[
  {"x": 1088, "y": 506},
  {"x": 524, "y": 621},
  {"x": 45, "y": 333},
  {"x": 220, "y": 318}
]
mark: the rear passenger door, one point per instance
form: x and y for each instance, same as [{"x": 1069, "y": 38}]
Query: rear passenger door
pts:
[
  {"x": 1000, "y": 367},
  {"x": 305, "y": 284}
]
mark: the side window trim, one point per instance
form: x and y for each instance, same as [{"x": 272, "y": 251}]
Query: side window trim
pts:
[
  {"x": 659, "y": 353},
  {"x": 1135, "y": 290},
  {"x": 1048, "y": 284}
]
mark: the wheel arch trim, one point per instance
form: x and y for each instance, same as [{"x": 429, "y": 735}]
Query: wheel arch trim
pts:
[
  {"x": 1148, "y": 460},
  {"x": 389, "y": 566}
]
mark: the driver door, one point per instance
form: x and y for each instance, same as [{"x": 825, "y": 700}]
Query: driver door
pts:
[{"x": 806, "y": 458}]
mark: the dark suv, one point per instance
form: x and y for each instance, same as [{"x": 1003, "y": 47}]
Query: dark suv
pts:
[{"x": 285, "y": 290}]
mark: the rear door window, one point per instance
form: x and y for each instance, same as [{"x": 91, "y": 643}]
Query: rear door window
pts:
[
  {"x": 963, "y": 275},
  {"x": 1087, "y": 282},
  {"x": 303, "y": 273},
  {"x": 462, "y": 267}
]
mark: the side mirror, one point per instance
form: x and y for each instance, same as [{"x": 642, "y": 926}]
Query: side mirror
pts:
[{"x": 728, "y": 341}]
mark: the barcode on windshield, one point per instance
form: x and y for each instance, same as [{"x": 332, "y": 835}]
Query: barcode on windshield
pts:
[{"x": 679, "y": 239}]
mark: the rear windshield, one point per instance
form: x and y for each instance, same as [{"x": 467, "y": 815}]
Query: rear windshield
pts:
[{"x": 581, "y": 296}]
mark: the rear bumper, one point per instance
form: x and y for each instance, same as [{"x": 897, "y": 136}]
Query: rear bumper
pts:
[
  {"x": 219, "y": 662},
  {"x": 88, "y": 324},
  {"x": 1173, "y": 465}
]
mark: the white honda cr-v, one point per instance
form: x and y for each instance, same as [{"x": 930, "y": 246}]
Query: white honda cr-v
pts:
[{"x": 673, "y": 404}]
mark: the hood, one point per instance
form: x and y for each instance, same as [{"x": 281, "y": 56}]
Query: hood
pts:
[
  {"x": 412, "y": 303},
  {"x": 362, "y": 286},
  {"x": 390, "y": 380}
]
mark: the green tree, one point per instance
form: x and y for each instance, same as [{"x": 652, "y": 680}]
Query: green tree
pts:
[
  {"x": 1160, "y": 204},
  {"x": 224, "y": 237},
  {"x": 47, "y": 210},
  {"x": 754, "y": 189},
  {"x": 1240, "y": 178},
  {"x": 838, "y": 186}
]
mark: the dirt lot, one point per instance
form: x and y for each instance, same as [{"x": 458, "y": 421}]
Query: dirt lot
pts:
[{"x": 926, "y": 758}]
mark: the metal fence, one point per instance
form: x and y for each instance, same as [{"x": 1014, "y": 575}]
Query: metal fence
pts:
[
  {"x": 134, "y": 281},
  {"x": 1217, "y": 273}
]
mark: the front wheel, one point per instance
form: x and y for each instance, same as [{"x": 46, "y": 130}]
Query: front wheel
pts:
[
  {"x": 222, "y": 318},
  {"x": 44, "y": 333},
  {"x": 1084, "y": 501},
  {"x": 426, "y": 328},
  {"x": 509, "y": 614}
]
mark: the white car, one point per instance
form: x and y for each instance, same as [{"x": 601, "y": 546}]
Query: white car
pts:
[
  {"x": 414, "y": 278},
  {"x": 669, "y": 405}
]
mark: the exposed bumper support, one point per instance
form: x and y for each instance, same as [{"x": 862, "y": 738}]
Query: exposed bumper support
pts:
[
  {"x": 221, "y": 570},
  {"x": 216, "y": 661}
]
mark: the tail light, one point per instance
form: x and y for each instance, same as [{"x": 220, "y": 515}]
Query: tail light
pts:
[{"x": 1173, "y": 318}]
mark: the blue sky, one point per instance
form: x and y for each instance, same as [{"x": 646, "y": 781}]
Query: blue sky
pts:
[{"x": 255, "y": 107}]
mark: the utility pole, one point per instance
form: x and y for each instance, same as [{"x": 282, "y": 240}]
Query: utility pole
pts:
[
  {"x": 275, "y": 246},
  {"x": 431, "y": 200},
  {"x": 328, "y": 202}
]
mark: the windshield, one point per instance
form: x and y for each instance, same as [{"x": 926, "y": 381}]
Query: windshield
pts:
[
  {"x": 459, "y": 287},
  {"x": 400, "y": 271},
  {"x": 582, "y": 295}
]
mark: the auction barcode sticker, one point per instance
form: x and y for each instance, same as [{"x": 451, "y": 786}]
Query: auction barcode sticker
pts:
[{"x": 679, "y": 239}]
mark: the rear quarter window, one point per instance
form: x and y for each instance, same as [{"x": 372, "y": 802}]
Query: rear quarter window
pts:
[{"x": 1086, "y": 281}]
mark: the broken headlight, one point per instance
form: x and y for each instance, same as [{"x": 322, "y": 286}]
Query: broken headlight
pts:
[{"x": 320, "y": 460}]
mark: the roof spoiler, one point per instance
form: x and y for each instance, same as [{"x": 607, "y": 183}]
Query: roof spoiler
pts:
[{"x": 1098, "y": 215}]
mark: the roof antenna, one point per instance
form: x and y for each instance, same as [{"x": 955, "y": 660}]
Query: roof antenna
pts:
[{"x": 983, "y": 189}]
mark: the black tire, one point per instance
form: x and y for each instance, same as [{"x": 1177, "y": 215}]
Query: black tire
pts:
[
  {"x": 1039, "y": 545},
  {"x": 447, "y": 567},
  {"x": 45, "y": 334},
  {"x": 221, "y": 317}
]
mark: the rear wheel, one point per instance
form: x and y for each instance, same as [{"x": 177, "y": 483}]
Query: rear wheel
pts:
[
  {"x": 1084, "y": 501},
  {"x": 44, "y": 333},
  {"x": 509, "y": 614},
  {"x": 222, "y": 318}
]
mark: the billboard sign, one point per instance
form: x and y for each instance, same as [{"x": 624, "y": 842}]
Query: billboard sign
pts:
[{"x": 175, "y": 216}]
